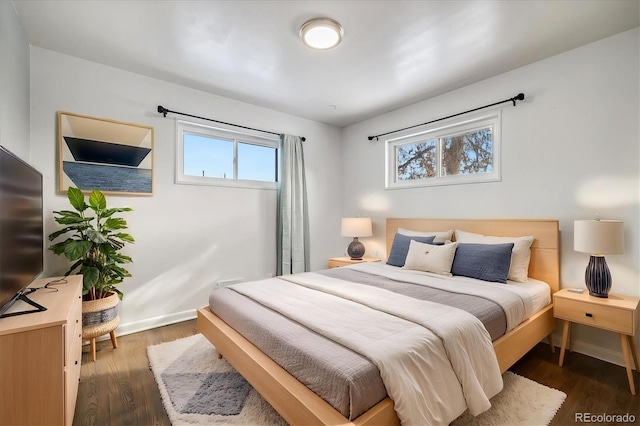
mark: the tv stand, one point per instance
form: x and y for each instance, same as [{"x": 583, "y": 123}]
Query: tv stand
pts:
[
  {"x": 41, "y": 357},
  {"x": 24, "y": 298}
]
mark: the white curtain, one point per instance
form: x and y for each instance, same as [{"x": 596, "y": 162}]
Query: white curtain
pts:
[{"x": 293, "y": 222}]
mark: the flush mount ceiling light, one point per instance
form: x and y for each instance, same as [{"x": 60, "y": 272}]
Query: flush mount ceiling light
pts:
[{"x": 321, "y": 33}]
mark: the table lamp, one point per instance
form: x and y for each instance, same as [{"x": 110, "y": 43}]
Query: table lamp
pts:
[
  {"x": 598, "y": 237},
  {"x": 356, "y": 227}
]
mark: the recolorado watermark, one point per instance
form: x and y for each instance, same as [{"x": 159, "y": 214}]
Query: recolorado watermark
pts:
[{"x": 604, "y": 418}]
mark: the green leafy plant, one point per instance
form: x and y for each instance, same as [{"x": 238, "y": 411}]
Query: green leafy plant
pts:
[{"x": 94, "y": 243}]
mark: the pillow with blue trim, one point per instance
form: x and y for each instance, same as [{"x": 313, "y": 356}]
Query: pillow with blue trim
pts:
[
  {"x": 400, "y": 248},
  {"x": 487, "y": 262}
]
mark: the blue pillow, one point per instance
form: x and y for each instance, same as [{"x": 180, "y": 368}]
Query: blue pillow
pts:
[
  {"x": 400, "y": 248},
  {"x": 487, "y": 262}
]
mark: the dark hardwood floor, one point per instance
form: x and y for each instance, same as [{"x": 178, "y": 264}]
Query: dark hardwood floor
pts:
[
  {"x": 592, "y": 386},
  {"x": 119, "y": 388}
]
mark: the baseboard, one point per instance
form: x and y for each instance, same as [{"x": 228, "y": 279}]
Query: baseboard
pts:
[
  {"x": 150, "y": 323},
  {"x": 594, "y": 351},
  {"x": 604, "y": 354}
]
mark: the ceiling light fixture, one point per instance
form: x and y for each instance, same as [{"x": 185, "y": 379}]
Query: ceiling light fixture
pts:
[{"x": 321, "y": 33}]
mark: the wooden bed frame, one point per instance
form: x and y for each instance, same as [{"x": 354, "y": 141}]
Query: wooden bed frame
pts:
[{"x": 298, "y": 405}]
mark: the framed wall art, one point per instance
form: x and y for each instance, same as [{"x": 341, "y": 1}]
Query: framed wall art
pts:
[{"x": 97, "y": 153}]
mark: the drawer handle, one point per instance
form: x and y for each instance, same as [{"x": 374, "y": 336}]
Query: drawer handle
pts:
[
  {"x": 76, "y": 362},
  {"x": 589, "y": 315}
]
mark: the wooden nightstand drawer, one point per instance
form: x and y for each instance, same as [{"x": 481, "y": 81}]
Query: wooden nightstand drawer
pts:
[
  {"x": 600, "y": 316},
  {"x": 335, "y": 262}
]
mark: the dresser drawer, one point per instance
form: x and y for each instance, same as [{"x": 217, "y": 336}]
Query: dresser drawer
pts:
[{"x": 605, "y": 317}]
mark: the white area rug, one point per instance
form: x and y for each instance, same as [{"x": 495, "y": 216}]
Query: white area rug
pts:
[
  {"x": 198, "y": 388},
  {"x": 521, "y": 402}
]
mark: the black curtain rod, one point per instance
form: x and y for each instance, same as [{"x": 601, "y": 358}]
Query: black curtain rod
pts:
[
  {"x": 518, "y": 97},
  {"x": 162, "y": 110}
]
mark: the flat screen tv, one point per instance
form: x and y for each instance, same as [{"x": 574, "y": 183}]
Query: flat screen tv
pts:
[{"x": 21, "y": 227}]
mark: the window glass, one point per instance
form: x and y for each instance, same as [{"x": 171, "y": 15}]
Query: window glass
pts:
[
  {"x": 416, "y": 160},
  {"x": 462, "y": 151},
  {"x": 469, "y": 152},
  {"x": 257, "y": 162},
  {"x": 208, "y": 157}
]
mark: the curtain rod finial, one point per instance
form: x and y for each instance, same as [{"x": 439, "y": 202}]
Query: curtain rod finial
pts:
[
  {"x": 370, "y": 137},
  {"x": 518, "y": 97},
  {"x": 162, "y": 110}
]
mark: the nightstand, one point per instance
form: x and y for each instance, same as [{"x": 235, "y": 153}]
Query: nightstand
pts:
[
  {"x": 335, "y": 262},
  {"x": 615, "y": 313}
]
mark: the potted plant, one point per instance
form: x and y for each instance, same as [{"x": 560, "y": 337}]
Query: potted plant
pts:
[{"x": 93, "y": 240}]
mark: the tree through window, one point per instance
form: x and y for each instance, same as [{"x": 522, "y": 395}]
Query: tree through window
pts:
[
  {"x": 460, "y": 152},
  {"x": 470, "y": 152},
  {"x": 417, "y": 161}
]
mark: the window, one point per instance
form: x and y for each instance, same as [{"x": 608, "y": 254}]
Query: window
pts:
[
  {"x": 460, "y": 152},
  {"x": 214, "y": 156}
]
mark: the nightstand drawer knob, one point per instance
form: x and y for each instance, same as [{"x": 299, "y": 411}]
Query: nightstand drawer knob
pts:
[{"x": 589, "y": 315}]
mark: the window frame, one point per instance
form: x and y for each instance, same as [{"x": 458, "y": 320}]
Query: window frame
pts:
[
  {"x": 437, "y": 132},
  {"x": 237, "y": 137}
]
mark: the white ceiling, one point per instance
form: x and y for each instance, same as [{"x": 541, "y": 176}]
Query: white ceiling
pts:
[{"x": 394, "y": 53}]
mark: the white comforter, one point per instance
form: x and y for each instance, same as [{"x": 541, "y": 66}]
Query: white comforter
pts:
[{"x": 435, "y": 361}]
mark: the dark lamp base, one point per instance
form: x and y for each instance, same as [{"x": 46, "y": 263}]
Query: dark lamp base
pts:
[
  {"x": 355, "y": 249},
  {"x": 597, "y": 277}
]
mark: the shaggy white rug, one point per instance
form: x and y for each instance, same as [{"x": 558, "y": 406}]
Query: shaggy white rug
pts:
[
  {"x": 198, "y": 388},
  {"x": 521, "y": 402}
]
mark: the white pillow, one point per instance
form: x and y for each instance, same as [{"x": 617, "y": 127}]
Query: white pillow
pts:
[
  {"x": 440, "y": 237},
  {"x": 520, "y": 255},
  {"x": 430, "y": 258}
]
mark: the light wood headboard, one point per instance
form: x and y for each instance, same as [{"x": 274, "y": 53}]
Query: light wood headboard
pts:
[{"x": 545, "y": 250}]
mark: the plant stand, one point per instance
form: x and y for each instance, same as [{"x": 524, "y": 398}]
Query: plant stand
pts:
[{"x": 100, "y": 317}]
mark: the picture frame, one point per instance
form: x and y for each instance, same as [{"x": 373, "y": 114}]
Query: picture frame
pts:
[{"x": 112, "y": 156}]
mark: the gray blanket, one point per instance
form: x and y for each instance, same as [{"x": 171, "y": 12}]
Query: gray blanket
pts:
[
  {"x": 487, "y": 311},
  {"x": 349, "y": 382}
]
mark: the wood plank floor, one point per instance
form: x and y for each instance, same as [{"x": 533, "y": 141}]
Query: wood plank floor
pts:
[{"x": 119, "y": 388}]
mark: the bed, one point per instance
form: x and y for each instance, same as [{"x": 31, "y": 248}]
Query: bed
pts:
[{"x": 299, "y": 405}]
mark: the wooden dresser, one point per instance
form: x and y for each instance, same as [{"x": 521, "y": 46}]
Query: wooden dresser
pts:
[{"x": 40, "y": 355}]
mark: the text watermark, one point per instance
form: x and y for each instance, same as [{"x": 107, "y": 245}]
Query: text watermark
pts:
[{"x": 604, "y": 418}]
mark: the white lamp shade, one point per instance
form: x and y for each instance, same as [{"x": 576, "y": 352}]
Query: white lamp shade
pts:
[
  {"x": 356, "y": 227},
  {"x": 598, "y": 236}
]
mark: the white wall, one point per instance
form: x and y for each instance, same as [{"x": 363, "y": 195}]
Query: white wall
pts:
[
  {"x": 14, "y": 83},
  {"x": 569, "y": 151},
  {"x": 187, "y": 237}
]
